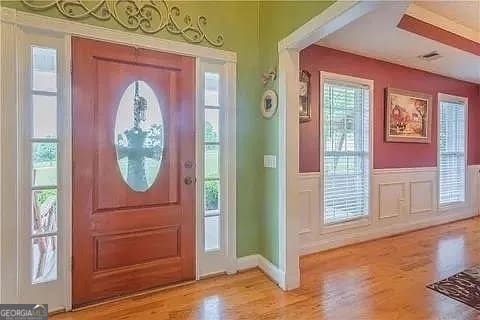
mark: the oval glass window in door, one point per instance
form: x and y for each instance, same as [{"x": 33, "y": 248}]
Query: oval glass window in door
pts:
[{"x": 139, "y": 136}]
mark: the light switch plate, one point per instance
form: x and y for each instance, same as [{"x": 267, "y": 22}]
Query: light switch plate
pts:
[{"x": 269, "y": 161}]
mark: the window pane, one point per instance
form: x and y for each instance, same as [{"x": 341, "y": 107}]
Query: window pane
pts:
[
  {"x": 139, "y": 136},
  {"x": 44, "y": 116},
  {"x": 346, "y": 152},
  {"x": 212, "y": 155},
  {"x": 452, "y": 178},
  {"x": 212, "y": 192},
  {"x": 44, "y": 211},
  {"x": 212, "y": 233},
  {"x": 452, "y": 152},
  {"x": 44, "y": 259},
  {"x": 44, "y": 65},
  {"x": 212, "y": 128},
  {"x": 44, "y": 159},
  {"x": 212, "y": 81}
]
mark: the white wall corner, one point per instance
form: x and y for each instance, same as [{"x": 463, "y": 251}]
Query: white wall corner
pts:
[
  {"x": 247, "y": 262},
  {"x": 271, "y": 270},
  {"x": 288, "y": 164},
  {"x": 259, "y": 261}
]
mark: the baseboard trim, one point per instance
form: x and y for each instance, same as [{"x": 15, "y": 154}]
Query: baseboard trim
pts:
[
  {"x": 271, "y": 270},
  {"x": 247, "y": 262},
  {"x": 259, "y": 261}
]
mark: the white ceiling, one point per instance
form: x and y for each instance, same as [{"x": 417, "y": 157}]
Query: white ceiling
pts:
[
  {"x": 466, "y": 13},
  {"x": 376, "y": 35}
]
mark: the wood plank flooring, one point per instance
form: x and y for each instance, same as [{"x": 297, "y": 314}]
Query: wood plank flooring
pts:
[{"x": 382, "y": 279}]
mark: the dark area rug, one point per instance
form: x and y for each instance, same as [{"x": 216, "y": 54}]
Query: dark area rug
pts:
[{"x": 463, "y": 286}]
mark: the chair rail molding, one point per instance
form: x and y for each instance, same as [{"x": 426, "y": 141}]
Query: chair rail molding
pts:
[{"x": 150, "y": 17}]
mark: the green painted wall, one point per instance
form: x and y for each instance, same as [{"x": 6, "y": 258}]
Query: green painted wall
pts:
[
  {"x": 277, "y": 20},
  {"x": 238, "y": 22},
  {"x": 252, "y": 29}
]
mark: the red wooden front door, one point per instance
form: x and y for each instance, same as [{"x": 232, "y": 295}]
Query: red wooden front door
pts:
[{"x": 133, "y": 169}]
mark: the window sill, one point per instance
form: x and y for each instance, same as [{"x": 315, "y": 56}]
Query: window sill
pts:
[
  {"x": 347, "y": 224},
  {"x": 454, "y": 205}
]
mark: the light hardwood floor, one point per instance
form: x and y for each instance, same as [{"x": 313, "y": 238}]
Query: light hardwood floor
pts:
[{"x": 382, "y": 279}]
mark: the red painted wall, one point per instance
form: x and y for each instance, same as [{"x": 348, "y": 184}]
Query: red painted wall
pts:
[{"x": 386, "y": 155}]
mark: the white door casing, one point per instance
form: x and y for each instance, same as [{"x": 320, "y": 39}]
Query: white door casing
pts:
[{"x": 46, "y": 31}]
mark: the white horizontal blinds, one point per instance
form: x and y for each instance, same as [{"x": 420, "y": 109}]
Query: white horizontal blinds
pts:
[
  {"x": 452, "y": 152},
  {"x": 346, "y": 151}
]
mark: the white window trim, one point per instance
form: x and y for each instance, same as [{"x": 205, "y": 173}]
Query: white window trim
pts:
[
  {"x": 223, "y": 260},
  {"x": 54, "y": 290},
  {"x": 12, "y": 24},
  {"x": 443, "y": 208},
  {"x": 364, "y": 220}
]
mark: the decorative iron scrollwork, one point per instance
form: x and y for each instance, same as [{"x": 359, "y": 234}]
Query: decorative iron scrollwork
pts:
[{"x": 148, "y": 16}]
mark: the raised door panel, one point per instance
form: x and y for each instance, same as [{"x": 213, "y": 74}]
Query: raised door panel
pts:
[{"x": 165, "y": 187}]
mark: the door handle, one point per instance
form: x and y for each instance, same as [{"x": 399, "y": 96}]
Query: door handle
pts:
[{"x": 188, "y": 180}]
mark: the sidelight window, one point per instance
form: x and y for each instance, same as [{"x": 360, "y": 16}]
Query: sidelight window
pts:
[
  {"x": 212, "y": 161},
  {"x": 44, "y": 168},
  {"x": 215, "y": 119}
]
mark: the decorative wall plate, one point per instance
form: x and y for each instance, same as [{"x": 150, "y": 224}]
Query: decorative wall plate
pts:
[{"x": 269, "y": 103}]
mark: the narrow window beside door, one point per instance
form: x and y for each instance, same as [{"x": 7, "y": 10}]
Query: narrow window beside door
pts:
[
  {"x": 44, "y": 157},
  {"x": 346, "y": 154},
  {"x": 212, "y": 212},
  {"x": 452, "y": 149}
]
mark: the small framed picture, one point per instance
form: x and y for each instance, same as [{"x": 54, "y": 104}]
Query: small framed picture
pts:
[
  {"x": 408, "y": 116},
  {"x": 269, "y": 103},
  {"x": 305, "y": 112}
]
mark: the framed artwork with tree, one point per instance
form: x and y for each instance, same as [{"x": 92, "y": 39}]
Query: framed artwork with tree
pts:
[{"x": 408, "y": 116}]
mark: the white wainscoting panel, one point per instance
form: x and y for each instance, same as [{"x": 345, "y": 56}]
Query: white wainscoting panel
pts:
[
  {"x": 401, "y": 200},
  {"x": 391, "y": 199},
  {"x": 421, "y": 196},
  {"x": 305, "y": 207},
  {"x": 474, "y": 185},
  {"x": 309, "y": 222}
]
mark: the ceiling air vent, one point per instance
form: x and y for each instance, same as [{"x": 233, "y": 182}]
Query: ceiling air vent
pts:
[{"x": 431, "y": 56}]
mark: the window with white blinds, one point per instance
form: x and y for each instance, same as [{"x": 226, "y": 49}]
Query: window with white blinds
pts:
[
  {"x": 452, "y": 152},
  {"x": 346, "y": 151}
]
